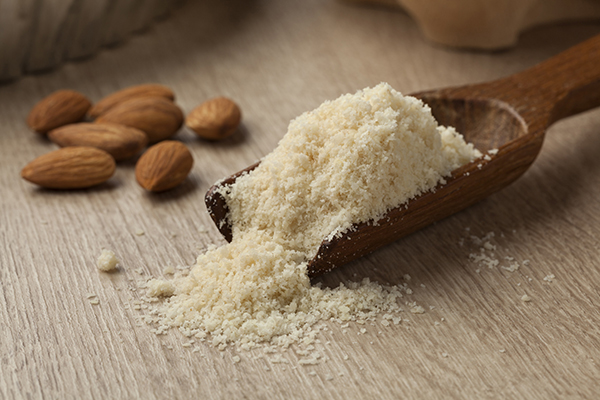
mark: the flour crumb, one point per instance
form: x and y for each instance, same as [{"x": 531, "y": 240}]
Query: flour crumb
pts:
[
  {"x": 512, "y": 266},
  {"x": 140, "y": 232},
  {"x": 309, "y": 361},
  {"x": 489, "y": 246},
  {"x": 107, "y": 261},
  {"x": 159, "y": 288},
  {"x": 279, "y": 359},
  {"x": 486, "y": 256},
  {"x": 169, "y": 270},
  {"x": 416, "y": 309},
  {"x": 525, "y": 298},
  {"x": 549, "y": 278}
]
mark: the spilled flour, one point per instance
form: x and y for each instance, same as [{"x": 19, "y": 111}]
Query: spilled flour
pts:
[{"x": 348, "y": 161}]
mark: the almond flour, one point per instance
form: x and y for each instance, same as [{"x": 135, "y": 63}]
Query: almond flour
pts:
[
  {"x": 107, "y": 261},
  {"x": 348, "y": 161}
]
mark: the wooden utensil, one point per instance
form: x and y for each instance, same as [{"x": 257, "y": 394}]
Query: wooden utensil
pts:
[{"x": 509, "y": 115}]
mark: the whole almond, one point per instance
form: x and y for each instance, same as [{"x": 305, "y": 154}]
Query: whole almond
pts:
[
  {"x": 59, "y": 108},
  {"x": 129, "y": 93},
  {"x": 157, "y": 117},
  {"x": 164, "y": 166},
  {"x": 215, "y": 119},
  {"x": 119, "y": 141},
  {"x": 70, "y": 168}
]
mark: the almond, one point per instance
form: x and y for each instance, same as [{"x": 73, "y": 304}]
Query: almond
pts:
[
  {"x": 164, "y": 166},
  {"x": 119, "y": 141},
  {"x": 157, "y": 117},
  {"x": 70, "y": 168},
  {"x": 132, "y": 92},
  {"x": 215, "y": 119},
  {"x": 59, "y": 108}
]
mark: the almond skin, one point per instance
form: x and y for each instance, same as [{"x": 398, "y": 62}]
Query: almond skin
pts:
[
  {"x": 59, "y": 108},
  {"x": 70, "y": 168},
  {"x": 164, "y": 166},
  {"x": 119, "y": 141},
  {"x": 215, "y": 119},
  {"x": 129, "y": 93},
  {"x": 157, "y": 117}
]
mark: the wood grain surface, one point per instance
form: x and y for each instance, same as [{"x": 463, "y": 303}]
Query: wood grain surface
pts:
[{"x": 477, "y": 338}]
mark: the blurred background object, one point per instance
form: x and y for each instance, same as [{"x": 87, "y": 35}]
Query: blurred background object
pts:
[
  {"x": 37, "y": 35},
  {"x": 488, "y": 24}
]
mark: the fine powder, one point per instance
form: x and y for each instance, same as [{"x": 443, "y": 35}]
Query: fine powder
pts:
[{"x": 348, "y": 161}]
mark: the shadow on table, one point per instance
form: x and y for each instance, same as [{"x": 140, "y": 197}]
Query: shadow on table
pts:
[{"x": 186, "y": 188}]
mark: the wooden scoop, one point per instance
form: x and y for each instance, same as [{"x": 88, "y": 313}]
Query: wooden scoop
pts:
[{"x": 510, "y": 114}]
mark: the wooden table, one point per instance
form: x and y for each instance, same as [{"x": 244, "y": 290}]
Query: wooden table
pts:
[{"x": 477, "y": 338}]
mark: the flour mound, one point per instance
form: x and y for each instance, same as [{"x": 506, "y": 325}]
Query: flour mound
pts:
[{"x": 348, "y": 161}]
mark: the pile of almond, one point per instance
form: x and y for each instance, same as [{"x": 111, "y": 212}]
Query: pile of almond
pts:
[{"x": 119, "y": 127}]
